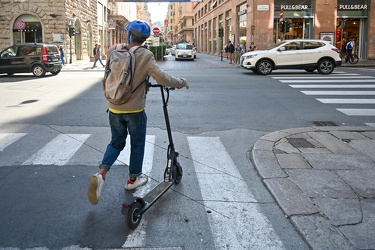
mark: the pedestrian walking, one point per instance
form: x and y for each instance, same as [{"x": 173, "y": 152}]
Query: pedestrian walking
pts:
[
  {"x": 349, "y": 49},
  {"x": 231, "y": 50},
  {"x": 97, "y": 55},
  {"x": 238, "y": 52},
  {"x": 62, "y": 55},
  {"x": 130, "y": 117},
  {"x": 226, "y": 50}
]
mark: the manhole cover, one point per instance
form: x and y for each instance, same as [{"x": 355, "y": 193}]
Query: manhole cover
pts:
[
  {"x": 324, "y": 123},
  {"x": 300, "y": 143}
]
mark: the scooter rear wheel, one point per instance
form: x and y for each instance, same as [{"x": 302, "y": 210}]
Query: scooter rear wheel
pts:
[
  {"x": 178, "y": 176},
  {"x": 133, "y": 217}
]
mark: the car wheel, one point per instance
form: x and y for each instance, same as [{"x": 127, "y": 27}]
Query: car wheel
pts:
[
  {"x": 55, "y": 72},
  {"x": 38, "y": 70},
  {"x": 326, "y": 66},
  {"x": 310, "y": 69},
  {"x": 264, "y": 67}
]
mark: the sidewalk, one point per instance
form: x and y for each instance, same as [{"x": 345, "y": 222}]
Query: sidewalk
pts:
[
  {"x": 323, "y": 178},
  {"x": 83, "y": 65},
  {"x": 361, "y": 63}
]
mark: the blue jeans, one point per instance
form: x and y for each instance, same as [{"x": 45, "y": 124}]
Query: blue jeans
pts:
[
  {"x": 98, "y": 59},
  {"x": 122, "y": 125},
  {"x": 63, "y": 60}
]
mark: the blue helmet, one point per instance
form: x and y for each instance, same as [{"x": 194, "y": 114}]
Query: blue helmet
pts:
[{"x": 139, "y": 29}]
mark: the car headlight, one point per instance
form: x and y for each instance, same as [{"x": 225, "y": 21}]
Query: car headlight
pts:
[{"x": 250, "y": 56}]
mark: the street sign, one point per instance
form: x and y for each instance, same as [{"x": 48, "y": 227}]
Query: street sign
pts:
[
  {"x": 156, "y": 41},
  {"x": 281, "y": 14},
  {"x": 20, "y": 24},
  {"x": 156, "y": 31}
]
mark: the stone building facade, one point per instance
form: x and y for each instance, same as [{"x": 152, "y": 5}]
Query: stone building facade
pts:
[
  {"x": 258, "y": 22},
  {"x": 46, "y": 21},
  {"x": 179, "y": 26}
]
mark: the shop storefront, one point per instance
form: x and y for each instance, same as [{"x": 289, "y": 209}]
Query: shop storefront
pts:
[
  {"x": 242, "y": 27},
  {"x": 352, "y": 24},
  {"x": 298, "y": 19}
]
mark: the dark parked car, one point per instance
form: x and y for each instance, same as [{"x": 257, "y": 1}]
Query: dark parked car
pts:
[{"x": 37, "y": 58}]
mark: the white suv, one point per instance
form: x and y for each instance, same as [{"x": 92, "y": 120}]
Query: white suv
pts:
[{"x": 294, "y": 54}]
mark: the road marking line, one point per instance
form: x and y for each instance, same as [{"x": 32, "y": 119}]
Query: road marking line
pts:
[
  {"x": 322, "y": 77},
  {"x": 326, "y": 80},
  {"x": 229, "y": 198},
  {"x": 9, "y": 138},
  {"x": 358, "y": 112},
  {"x": 338, "y": 92},
  {"x": 332, "y": 86},
  {"x": 346, "y": 101},
  {"x": 58, "y": 151}
]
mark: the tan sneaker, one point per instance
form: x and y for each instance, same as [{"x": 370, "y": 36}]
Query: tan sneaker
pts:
[{"x": 95, "y": 188}]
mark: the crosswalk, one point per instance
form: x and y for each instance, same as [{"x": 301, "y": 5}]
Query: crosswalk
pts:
[
  {"x": 353, "y": 91},
  {"x": 218, "y": 177}
]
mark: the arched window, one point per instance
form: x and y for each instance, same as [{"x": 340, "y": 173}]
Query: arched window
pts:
[{"x": 32, "y": 31}]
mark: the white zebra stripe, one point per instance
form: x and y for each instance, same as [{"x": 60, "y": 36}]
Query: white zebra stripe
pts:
[
  {"x": 58, "y": 151},
  {"x": 321, "y": 77},
  {"x": 327, "y": 80},
  {"x": 338, "y": 92},
  {"x": 9, "y": 138},
  {"x": 333, "y": 86},
  {"x": 137, "y": 237},
  {"x": 228, "y": 196},
  {"x": 346, "y": 101},
  {"x": 358, "y": 112}
]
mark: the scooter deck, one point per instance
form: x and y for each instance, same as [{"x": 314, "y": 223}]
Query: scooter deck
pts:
[{"x": 157, "y": 191}]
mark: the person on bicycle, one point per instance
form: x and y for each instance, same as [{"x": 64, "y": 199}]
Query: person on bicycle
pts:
[
  {"x": 349, "y": 49},
  {"x": 130, "y": 118}
]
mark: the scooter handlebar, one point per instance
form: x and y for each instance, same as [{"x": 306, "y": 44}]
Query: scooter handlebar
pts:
[{"x": 159, "y": 86}]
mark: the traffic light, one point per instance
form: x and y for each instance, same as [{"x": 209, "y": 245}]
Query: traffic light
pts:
[
  {"x": 72, "y": 31},
  {"x": 221, "y": 32},
  {"x": 282, "y": 26}
]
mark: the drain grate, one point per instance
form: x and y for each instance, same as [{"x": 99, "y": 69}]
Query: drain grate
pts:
[
  {"x": 324, "y": 123},
  {"x": 300, "y": 143}
]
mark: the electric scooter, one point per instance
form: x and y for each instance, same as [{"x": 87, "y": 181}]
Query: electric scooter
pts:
[{"x": 172, "y": 175}]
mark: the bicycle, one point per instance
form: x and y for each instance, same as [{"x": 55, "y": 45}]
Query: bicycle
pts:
[{"x": 352, "y": 60}]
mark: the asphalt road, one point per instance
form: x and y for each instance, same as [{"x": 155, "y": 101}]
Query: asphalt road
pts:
[{"x": 54, "y": 130}]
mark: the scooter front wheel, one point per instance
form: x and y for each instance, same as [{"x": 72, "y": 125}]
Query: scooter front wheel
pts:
[{"x": 133, "y": 217}]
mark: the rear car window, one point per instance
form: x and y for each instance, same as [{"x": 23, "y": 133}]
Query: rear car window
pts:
[
  {"x": 185, "y": 46},
  {"x": 292, "y": 46},
  {"x": 26, "y": 51},
  {"x": 51, "y": 50},
  {"x": 312, "y": 45}
]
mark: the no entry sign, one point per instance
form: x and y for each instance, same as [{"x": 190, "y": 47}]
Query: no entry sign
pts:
[
  {"x": 156, "y": 31},
  {"x": 20, "y": 24}
]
